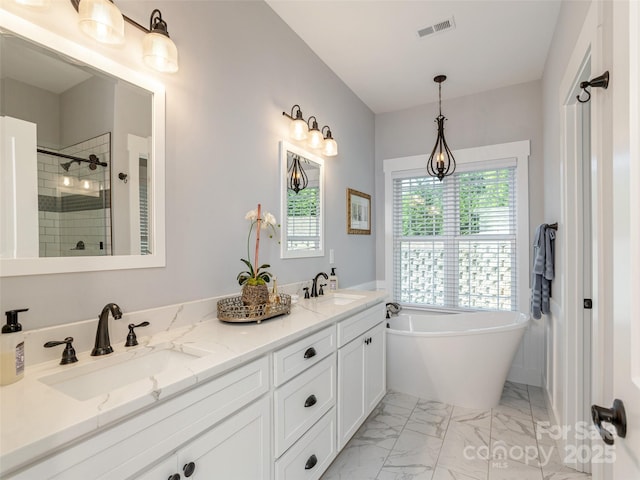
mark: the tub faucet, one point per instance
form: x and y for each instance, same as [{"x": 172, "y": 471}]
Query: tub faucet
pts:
[
  {"x": 314, "y": 285},
  {"x": 393, "y": 308},
  {"x": 103, "y": 344}
]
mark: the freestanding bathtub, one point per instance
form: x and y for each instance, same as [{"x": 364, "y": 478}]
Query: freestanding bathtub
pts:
[{"x": 461, "y": 359}]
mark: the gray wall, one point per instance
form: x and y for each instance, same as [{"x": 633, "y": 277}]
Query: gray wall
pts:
[
  {"x": 35, "y": 105},
  {"x": 498, "y": 116},
  {"x": 240, "y": 67}
]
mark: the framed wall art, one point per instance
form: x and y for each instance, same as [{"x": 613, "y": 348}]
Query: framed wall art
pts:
[{"x": 358, "y": 212}]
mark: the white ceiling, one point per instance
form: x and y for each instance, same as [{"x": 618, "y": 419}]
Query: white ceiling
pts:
[{"x": 373, "y": 45}]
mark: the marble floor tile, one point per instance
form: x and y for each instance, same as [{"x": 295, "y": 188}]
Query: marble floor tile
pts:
[
  {"x": 430, "y": 418},
  {"x": 400, "y": 399},
  {"x": 477, "y": 418},
  {"x": 406, "y": 473},
  {"x": 536, "y": 396},
  {"x": 466, "y": 450},
  {"x": 383, "y": 426},
  {"x": 514, "y": 471},
  {"x": 442, "y": 473},
  {"x": 406, "y": 438},
  {"x": 414, "y": 450},
  {"x": 357, "y": 462}
]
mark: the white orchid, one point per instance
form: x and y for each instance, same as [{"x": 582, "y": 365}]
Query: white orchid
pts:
[
  {"x": 268, "y": 220},
  {"x": 257, "y": 275}
]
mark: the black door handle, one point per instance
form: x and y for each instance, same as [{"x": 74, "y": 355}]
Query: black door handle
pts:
[
  {"x": 615, "y": 415},
  {"x": 310, "y": 401},
  {"x": 310, "y": 352},
  {"x": 189, "y": 468},
  {"x": 311, "y": 462}
]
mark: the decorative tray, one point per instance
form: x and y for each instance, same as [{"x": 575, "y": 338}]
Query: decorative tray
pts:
[{"x": 233, "y": 310}]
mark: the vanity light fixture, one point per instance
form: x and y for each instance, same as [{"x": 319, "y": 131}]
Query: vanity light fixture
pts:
[
  {"x": 316, "y": 138},
  {"x": 299, "y": 129},
  {"x": 441, "y": 162},
  {"x": 34, "y": 3},
  {"x": 103, "y": 21},
  {"x": 329, "y": 146},
  {"x": 159, "y": 51},
  {"x": 297, "y": 176}
]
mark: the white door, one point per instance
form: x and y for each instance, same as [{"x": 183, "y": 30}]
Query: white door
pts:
[
  {"x": 351, "y": 389},
  {"x": 626, "y": 234}
]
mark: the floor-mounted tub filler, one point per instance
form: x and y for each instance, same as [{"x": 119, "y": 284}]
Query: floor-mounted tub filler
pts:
[{"x": 461, "y": 359}]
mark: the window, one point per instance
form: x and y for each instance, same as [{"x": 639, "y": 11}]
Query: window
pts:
[
  {"x": 459, "y": 244},
  {"x": 303, "y": 222}
]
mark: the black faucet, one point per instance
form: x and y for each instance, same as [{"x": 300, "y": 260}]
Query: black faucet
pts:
[
  {"x": 103, "y": 344},
  {"x": 314, "y": 285},
  {"x": 393, "y": 308}
]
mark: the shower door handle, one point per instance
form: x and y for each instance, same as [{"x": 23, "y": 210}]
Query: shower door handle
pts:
[{"x": 615, "y": 415}]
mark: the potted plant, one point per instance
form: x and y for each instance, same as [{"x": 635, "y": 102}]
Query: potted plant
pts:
[{"x": 254, "y": 280}]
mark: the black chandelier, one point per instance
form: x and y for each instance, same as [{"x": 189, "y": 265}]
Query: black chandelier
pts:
[
  {"x": 441, "y": 162},
  {"x": 297, "y": 176}
]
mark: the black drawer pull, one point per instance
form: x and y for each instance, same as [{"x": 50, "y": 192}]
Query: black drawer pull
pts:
[
  {"x": 311, "y": 462},
  {"x": 189, "y": 468},
  {"x": 310, "y": 352},
  {"x": 175, "y": 476},
  {"x": 310, "y": 401}
]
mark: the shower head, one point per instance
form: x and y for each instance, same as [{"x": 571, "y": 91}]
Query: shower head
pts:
[{"x": 65, "y": 166}]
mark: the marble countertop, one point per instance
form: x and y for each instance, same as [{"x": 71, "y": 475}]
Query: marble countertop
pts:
[{"x": 38, "y": 420}]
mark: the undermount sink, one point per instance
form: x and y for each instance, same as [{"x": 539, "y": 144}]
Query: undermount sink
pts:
[
  {"x": 339, "y": 298},
  {"x": 105, "y": 374}
]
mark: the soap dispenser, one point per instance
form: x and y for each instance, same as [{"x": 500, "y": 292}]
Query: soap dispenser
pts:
[
  {"x": 333, "y": 280},
  {"x": 12, "y": 349}
]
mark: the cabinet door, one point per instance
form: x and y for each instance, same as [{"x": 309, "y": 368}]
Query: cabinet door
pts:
[
  {"x": 239, "y": 448},
  {"x": 375, "y": 366},
  {"x": 351, "y": 389}
]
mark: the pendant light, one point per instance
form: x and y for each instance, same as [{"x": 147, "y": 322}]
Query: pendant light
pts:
[
  {"x": 298, "y": 179},
  {"x": 159, "y": 51},
  {"x": 101, "y": 20},
  {"x": 441, "y": 162}
]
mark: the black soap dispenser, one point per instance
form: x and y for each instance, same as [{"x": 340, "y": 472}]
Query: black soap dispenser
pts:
[{"x": 12, "y": 349}]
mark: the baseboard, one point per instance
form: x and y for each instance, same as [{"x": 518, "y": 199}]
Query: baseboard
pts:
[{"x": 525, "y": 375}]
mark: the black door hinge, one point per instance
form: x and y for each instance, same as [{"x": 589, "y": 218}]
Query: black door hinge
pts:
[{"x": 588, "y": 303}]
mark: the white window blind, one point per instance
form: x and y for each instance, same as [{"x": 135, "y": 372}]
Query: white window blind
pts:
[
  {"x": 454, "y": 242},
  {"x": 303, "y": 219}
]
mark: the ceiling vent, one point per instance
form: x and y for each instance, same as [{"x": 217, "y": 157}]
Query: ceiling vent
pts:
[{"x": 440, "y": 27}]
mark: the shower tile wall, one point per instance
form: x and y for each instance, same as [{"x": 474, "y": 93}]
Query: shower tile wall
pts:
[{"x": 66, "y": 218}]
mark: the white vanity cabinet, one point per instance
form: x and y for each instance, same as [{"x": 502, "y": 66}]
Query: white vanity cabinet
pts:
[
  {"x": 304, "y": 400},
  {"x": 361, "y": 369},
  {"x": 237, "y": 448},
  {"x": 201, "y": 425}
]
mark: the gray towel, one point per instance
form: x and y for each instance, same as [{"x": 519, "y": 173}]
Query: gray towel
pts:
[{"x": 543, "y": 270}]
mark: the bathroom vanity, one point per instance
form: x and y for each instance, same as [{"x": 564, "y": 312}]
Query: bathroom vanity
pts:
[{"x": 276, "y": 400}]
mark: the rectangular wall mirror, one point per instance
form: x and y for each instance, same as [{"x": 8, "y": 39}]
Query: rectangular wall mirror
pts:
[
  {"x": 302, "y": 210},
  {"x": 81, "y": 156}
]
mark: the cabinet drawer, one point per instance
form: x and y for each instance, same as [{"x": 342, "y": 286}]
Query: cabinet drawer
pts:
[
  {"x": 297, "y": 357},
  {"x": 312, "y": 454},
  {"x": 301, "y": 402},
  {"x": 361, "y": 322}
]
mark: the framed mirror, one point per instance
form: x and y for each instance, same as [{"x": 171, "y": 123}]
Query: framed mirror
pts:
[
  {"x": 81, "y": 156},
  {"x": 302, "y": 190}
]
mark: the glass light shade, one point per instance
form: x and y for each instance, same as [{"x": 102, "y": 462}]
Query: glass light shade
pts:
[
  {"x": 34, "y": 3},
  {"x": 298, "y": 129},
  {"x": 316, "y": 139},
  {"x": 330, "y": 147},
  {"x": 101, "y": 20},
  {"x": 160, "y": 53}
]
